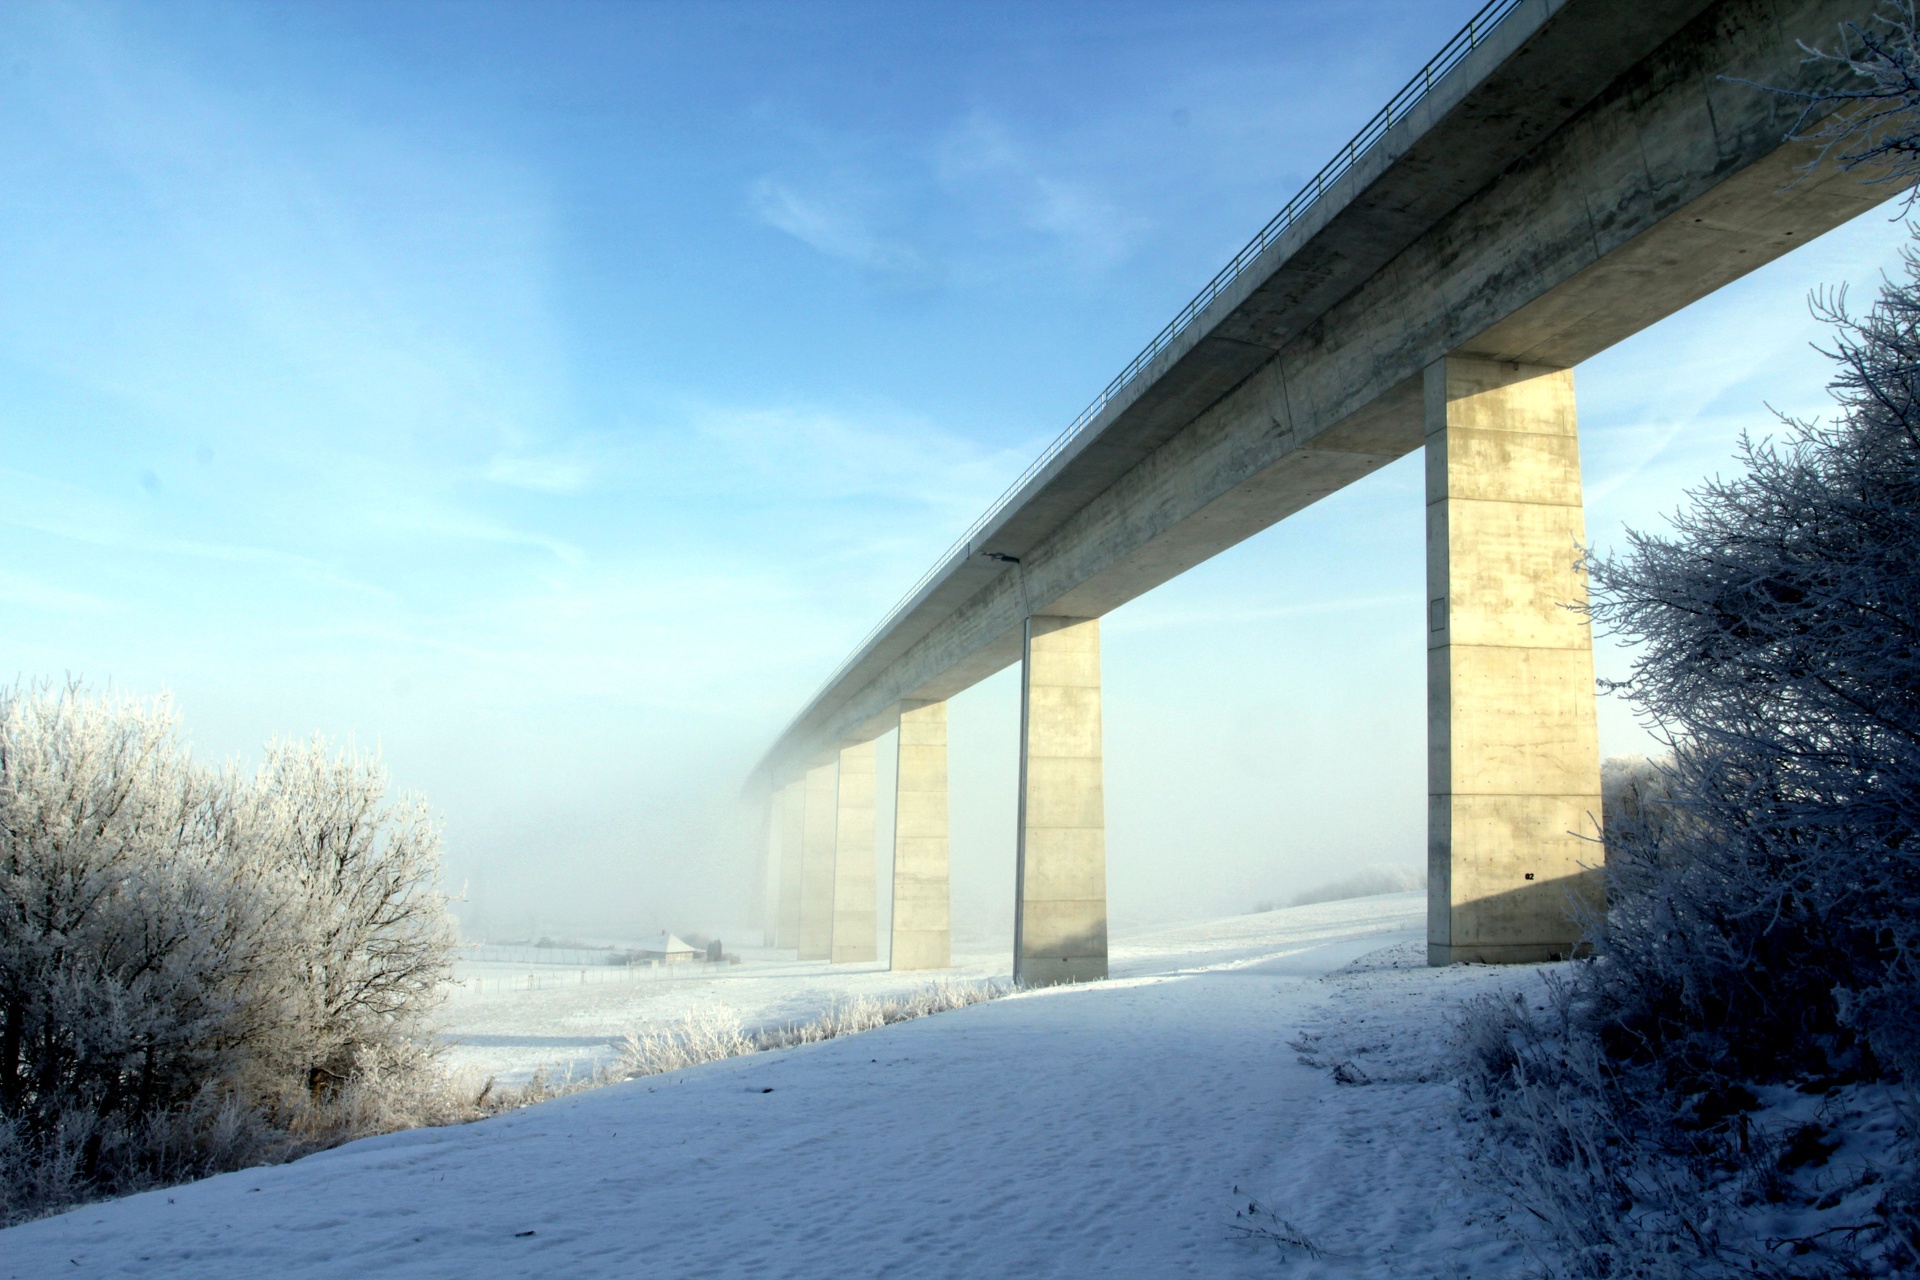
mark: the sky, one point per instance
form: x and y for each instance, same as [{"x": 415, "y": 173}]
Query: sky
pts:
[{"x": 547, "y": 397}]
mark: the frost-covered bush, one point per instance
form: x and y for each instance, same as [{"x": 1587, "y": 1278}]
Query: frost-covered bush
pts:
[
  {"x": 1769, "y": 908},
  {"x": 1602, "y": 1171},
  {"x": 371, "y": 941},
  {"x": 198, "y": 969},
  {"x": 1633, "y": 793},
  {"x": 711, "y": 1033},
  {"x": 1610, "y": 1172},
  {"x": 1867, "y": 118}
]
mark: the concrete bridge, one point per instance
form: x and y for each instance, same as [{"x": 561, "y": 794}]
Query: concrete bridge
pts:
[{"x": 1564, "y": 174}]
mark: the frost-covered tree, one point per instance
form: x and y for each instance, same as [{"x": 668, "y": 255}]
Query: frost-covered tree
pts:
[
  {"x": 1778, "y": 627},
  {"x": 368, "y": 939},
  {"x": 1869, "y": 120},
  {"x": 1771, "y": 908},
  {"x": 192, "y": 962}
]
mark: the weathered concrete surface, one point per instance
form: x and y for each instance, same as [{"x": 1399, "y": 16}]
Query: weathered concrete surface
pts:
[
  {"x": 819, "y": 812},
  {"x": 856, "y": 915},
  {"x": 790, "y": 817},
  {"x": 1513, "y": 748},
  {"x": 1060, "y": 911},
  {"x": 1581, "y": 176},
  {"x": 922, "y": 895}
]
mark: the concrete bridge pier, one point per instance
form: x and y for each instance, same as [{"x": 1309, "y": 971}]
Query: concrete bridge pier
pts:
[
  {"x": 789, "y": 820},
  {"x": 819, "y": 812},
  {"x": 922, "y": 895},
  {"x": 1060, "y": 906},
  {"x": 766, "y": 885},
  {"x": 1513, "y": 775},
  {"x": 856, "y": 935}
]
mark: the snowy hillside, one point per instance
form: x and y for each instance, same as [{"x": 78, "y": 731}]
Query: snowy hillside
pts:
[{"x": 1112, "y": 1129}]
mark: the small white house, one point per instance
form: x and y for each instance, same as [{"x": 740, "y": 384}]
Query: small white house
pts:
[{"x": 665, "y": 949}]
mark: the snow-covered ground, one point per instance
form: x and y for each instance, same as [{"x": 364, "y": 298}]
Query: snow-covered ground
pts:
[{"x": 1112, "y": 1129}]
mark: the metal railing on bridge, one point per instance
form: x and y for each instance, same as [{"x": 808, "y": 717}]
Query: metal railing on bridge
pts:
[{"x": 1464, "y": 42}]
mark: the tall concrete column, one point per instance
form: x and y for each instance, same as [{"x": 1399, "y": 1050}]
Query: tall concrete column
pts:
[
  {"x": 790, "y": 815},
  {"x": 1060, "y": 911},
  {"x": 922, "y": 898},
  {"x": 766, "y": 885},
  {"x": 820, "y": 810},
  {"x": 1513, "y": 776},
  {"x": 856, "y": 913}
]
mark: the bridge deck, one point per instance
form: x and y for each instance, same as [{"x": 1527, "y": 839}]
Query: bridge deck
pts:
[{"x": 1573, "y": 172}]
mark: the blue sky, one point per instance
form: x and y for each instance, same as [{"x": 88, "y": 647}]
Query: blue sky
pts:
[{"x": 550, "y": 395}]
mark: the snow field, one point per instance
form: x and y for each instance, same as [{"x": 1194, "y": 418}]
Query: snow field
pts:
[
  {"x": 1111, "y": 1129},
  {"x": 525, "y": 1019},
  {"x": 518, "y": 1018}
]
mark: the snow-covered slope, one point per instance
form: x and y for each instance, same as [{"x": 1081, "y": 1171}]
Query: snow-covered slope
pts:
[{"x": 1105, "y": 1130}]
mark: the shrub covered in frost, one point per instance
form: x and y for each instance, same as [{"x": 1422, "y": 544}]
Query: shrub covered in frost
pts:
[
  {"x": 198, "y": 969},
  {"x": 712, "y": 1033},
  {"x": 1766, "y": 917}
]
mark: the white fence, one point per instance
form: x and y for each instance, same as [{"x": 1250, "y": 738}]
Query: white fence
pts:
[
  {"x": 489, "y": 971},
  {"x": 574, "y": 957},
  {"x": 555, "y": 976}
]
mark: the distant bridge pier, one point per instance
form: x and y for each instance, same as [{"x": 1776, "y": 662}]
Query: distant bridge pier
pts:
[
  {"x": 789, "y": 828},
  {"x": 819, "y": 811},
  {"x": 1513, "y": 751},
  {"x": 922, "y": 893},
  {"x": 855, "y": 904},
  {"x": 766, "y": 886},
  {"x": 1060, "y": 908}
]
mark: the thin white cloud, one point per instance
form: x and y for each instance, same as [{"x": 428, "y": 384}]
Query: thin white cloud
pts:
[
  {"x": 26, "y": 593},
  {"x": 76, "y": 514},
  {"x": 428, "y": 518},
  {"x": 377, "y": 283},
  {"x": 833, "y": 224},
  {"x": 823, "y": 455},
  {"x": 1091, "y": 230},
  {"x": 541, "y": 474},
  {"x": 980, "y": 161},
  {"x": 972, "y": 202}
]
